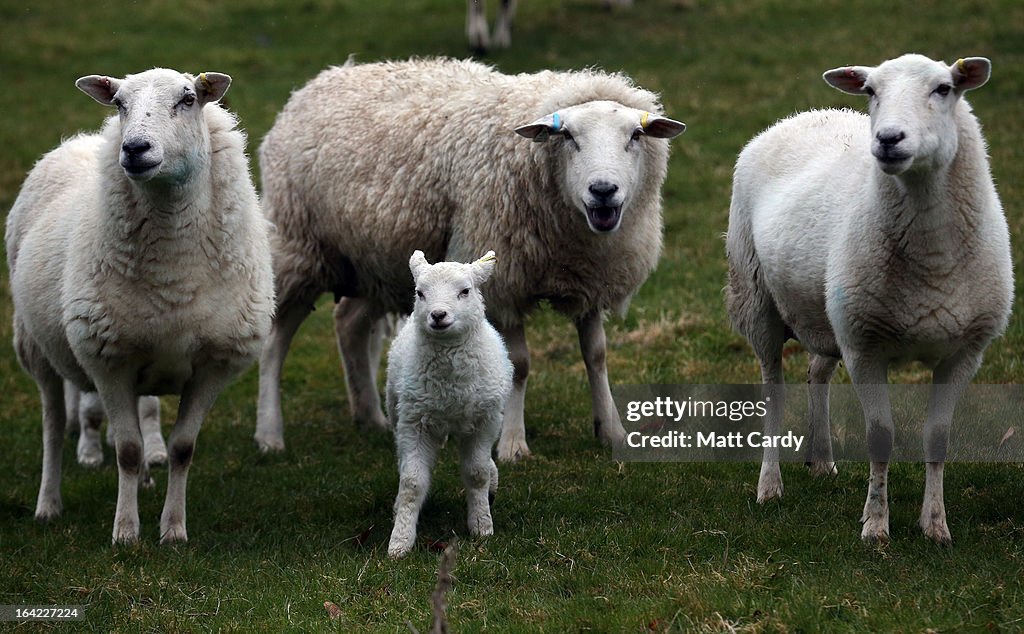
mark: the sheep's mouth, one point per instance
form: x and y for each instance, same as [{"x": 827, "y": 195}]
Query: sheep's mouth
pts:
[
  {"x": 139, "y": 169},
  {"x": 440, "y": 326},
  {"x": 603, "y": 219},
  {"x": 892, "y": 161}
]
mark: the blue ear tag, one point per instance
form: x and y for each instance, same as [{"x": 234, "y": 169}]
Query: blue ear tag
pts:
[{"x": 556, "y": 122}]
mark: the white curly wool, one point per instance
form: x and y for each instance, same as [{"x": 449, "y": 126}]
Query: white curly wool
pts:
[
  {"x": 368, "y": 162},
  {"x": 449, "y": 376},
  {"x": 140, "y": 265},
  {"x": 875, "y": 239}
]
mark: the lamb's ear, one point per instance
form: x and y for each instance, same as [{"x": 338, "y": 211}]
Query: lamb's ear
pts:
[
  {"x": 849, "y": 79},
  {"x": 99, "y": 87},
  {"x": 483, "y": 268},
  {"x": 211, "y": 86},
  {"x": 971, "y": 72},
  {"x": 542, "y": 128},
  {"x": 417, "y": 262},
  {"x": 660, "y": 127}
]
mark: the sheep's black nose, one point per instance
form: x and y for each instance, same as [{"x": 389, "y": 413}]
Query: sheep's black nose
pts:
[
  {"x": 889, "y": 138},
  {"x": 602, "y": 190},
  {"x": 438, "y": 315},
  {"x": 135, "y": 148}
]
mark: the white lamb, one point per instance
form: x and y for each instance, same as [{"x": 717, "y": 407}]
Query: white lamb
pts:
[
  {"x": 140, "y": 265},
  {"x": 448, "y": 375},
  {"x": 476, "y": 22},
  {"x": 368, "y": 162},
  {"x": 84, "y": 414},
  {"x": 874, "y": 240}
]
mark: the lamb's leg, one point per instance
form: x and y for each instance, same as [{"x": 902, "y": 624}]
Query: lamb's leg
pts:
[
  {"x": 607, "y": 425},
  {"x": 51, "y": 394},
  {"x": 476, "y": 26},
  {"x": 121, "y": 406},
  {"x": 503, "y": 25},
  {"x": 90, "y": 416},
  {"x": 416, "y": 457},
  {"x": 357, "y": 322},
  {"x": 197, "y": 397},
  {"x": 512, "y": 445},
  {"x": 476, "y": 466},
  {"x": 869, "y": 380},
  {"x": 950, "y": 379},
  {"x": 819, "y": 446},
  {"x": 152, "y": 439},
  {"x": 269, "y": 422}
]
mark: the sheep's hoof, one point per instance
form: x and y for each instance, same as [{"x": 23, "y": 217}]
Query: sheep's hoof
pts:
[
  {"x": 769, "y": 483},
  {"x": 175, "y": 534},
  {"x": 937, "y": 531},
  {"x": 377, "y": 422},
  {"x": 158, "y": 458},
  {"x": 269, "y": 444},
  {"x": 90, "y": 457},
  {"x": 875, "y": 531},
  {"x": 818, "y": 469},
  {"x": 513, "y": 451},
  {"x": 49, "y": 510},
  {"x": 399, "y": 548},
  {"x": 126, "y": 533}
]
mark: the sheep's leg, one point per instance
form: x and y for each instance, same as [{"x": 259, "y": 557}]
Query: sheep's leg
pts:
[
  {"x": 869, "y": 380},
  {"x": 269, "y": 422},
  {"x": 152, "y": 439},
  {"x": 476, "y": 467},
  {"x": 357, "y": 322},
  {"x": 503, "y": 25},
  {"x": 512, "y": 444},
  {"x": 607, "y": 425},
  {"x": 197, "y": 397},
  {"x": 51, "y": 394},
  {"x": 72, "y": 395},
  {"x": 949, "y": 382},
  {"x": 476, "y": 26},
  {"x": 90, "y": 416},
  {"x": 769, "y": 482},
  {"x": 121, "y": 406},
  {"x": 416, "y": 457},
  {"x": 819, "y": 446}
]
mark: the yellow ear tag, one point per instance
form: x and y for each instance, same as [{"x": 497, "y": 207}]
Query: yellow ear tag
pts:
[
  {"x": 960, "y": 66},
  {"x": 489, "y": 258},
  {"x": 643, "y": 120},
  {"x": 205, "y": 81}
]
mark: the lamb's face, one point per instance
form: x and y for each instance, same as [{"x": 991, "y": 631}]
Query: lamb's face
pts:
[
  {"x": 912, "y": 104},
  {"x": 601, "y": 155},
  {"x": 448, "y": 302},
  {"x": 163, "y": 132}
]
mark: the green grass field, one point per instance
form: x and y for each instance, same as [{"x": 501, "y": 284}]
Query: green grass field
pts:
[{"x": 581, "y": 543}]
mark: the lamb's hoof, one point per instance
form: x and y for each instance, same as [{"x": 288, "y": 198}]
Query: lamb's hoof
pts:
[
  {"x": 875, "y": 530},
  {"x": 174, "y": 534},
  {"x": 769, "y": 484},
  {"x": 269, "y": 444},
  {"x": 818, "y": 469},
  {"x": 48, "y": 510},
  {"x": 937, "y": 531},
  {"x": 512, "y": 450},
  {"x": 90, "y": 457}
]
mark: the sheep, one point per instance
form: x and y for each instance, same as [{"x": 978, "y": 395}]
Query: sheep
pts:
[
  {"x": 84, "y": 414},
  {"x": 140, "y": 265},
  {"x": 370, "y": 161},
  {"x": 476, "y": 23},
  {"x": 874, "y": 239},
  {"x": 448, "y": 374}
]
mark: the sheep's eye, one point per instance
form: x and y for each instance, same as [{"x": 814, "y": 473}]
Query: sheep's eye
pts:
[
  {"x": 188, "y": 100},
  {"x": 569, "y": 139},
  {"x": 464, "y": 293},
  {"x": 943, "y": 90},
  {"x": 119, "y": 105},
  {"x": 419, "y": 294},
  {"x": 637, "y": 134},
  {"x": 869, "y": 91}
]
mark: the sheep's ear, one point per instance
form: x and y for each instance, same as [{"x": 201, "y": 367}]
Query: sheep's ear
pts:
[
  {"x": 483, "y": 268},
  {"x": 211, "y": 86},
  {"x": 849, "y": 79},
  {"x": 660, "y": 127},
  {"x": 541, "y": 129},
  {"x": 99, "y": 87},
  {"x": 417, "y": 263},
  {"x": 971, "y": 72}
]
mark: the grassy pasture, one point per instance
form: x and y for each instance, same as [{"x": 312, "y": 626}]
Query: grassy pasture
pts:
[{"x": 581, "y": 544}]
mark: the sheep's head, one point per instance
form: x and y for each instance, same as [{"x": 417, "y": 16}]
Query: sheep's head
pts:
[
  {"x": 602, "y": 155},
  {"x": 448, "y": 300},
  {"x": 912, "y": 104},
  {"x": 163, "y": 132}
]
